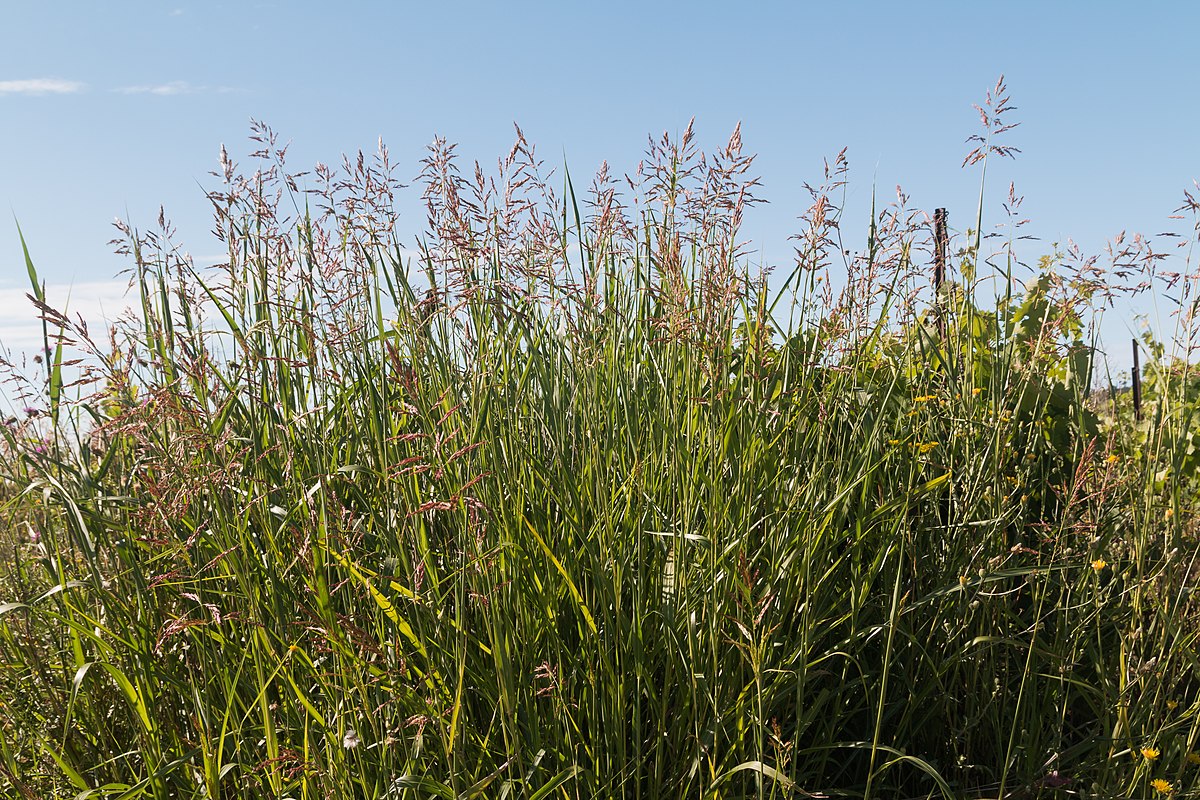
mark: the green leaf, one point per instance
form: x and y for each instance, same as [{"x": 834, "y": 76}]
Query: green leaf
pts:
[
  {"x": 34, "y": 282},
  {"x": 587, "y": 614},
  {"x": 422, "y": 784}
]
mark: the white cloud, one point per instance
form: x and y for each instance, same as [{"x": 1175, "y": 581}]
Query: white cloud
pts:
[
  {"x": 38, "y": 86},
  {"x": 98, "y": 302},
  {"x": 209, "y": 261},
  {"x": 161, "y": 89},
  {"x": 174, "y": 88}
]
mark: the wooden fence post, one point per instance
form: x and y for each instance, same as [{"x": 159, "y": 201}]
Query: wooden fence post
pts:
[
  {"x": 941, "y": 241},
  {"x": 1137, "y": 385}
]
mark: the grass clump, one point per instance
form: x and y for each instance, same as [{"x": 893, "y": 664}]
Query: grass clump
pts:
[{"x": 577, "y": 503}]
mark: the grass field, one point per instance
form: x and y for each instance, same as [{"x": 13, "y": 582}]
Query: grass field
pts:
[{"x": 579, "y": 503}]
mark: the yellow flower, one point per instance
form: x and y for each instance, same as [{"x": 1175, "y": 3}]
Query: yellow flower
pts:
[
  {"x": 925, "y": 447},
  {"x": 894, "y": 442},
  {"x": 1098, "y": 565},
  {"x": 1193, "y": 758},
  {"x": 1114, "y": 458},
  {"x": 976, "y": 391},
  {"x": 1150, "y": 753},
  {"x": 925, "y": 398},
  {"x": 1172, "y": 705},
  {"x": 1170, "y": 513},
  {"x": 1161, "y": 786}
]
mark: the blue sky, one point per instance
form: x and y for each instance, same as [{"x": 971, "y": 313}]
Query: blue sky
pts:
[{"x": 109, "y": 110}]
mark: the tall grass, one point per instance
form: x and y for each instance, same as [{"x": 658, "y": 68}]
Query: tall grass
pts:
[{"x": 578, "y": 503}]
